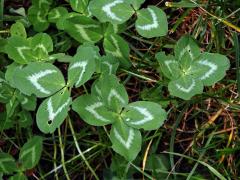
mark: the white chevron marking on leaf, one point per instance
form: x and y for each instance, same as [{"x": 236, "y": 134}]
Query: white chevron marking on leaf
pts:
[
  {"x": 39, "y": 17},
  {"x": 42, "y": 47},
  {"x": 147, "y": 115},
  {"x": 43, "y": 2},
  {"x": 20, "y": 51},
  {"x": 81, "y": 65},
  {"x": 110, "y": 67},
  {"x": 29, "y": 152},
  {"x": 98, "y": 90},
  {"x": 25, "y": 101},
  {"x": 127, "y": 143},
  {"x": 113, "y": 93},
  {"x": 92, "y": 109},
  {"x": 2, "y": 163},
  {"x": 168, "y": 64},
  {"x": 186, "y": 90},
  {"x": 213, "y": 67},
  {"x": 154, "y": 24},
  {"x": 107, "y": 9},
  {"x": 116, "y": 53},
  {"x": 51, "y": 113},
  {"x": 57, "y": 14},
  {"x": 186, "y": 49},
  {"x": 36, "y": 76},
  {"x": 82, "y": 31}
]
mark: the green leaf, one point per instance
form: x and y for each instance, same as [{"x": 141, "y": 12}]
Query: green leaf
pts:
[
  {"x": 41, "y": 79},
  {"x": 38, "y": 18},
  {"x": 18, "y": 29},
  {"x": 82, "y": 67},
  {"x": 12, "y": 105},
  {"x": 213, "y": 67},
  {"x": 117, "y": 47},
  {"x": 31, "y": 152},
  {"x": 126, "y": 141},
  {"x": 80, "y": 6},
  {"x": 108, "y": 64},
  {"x": 186, "y": 50},
  {"x": 7, "y": 163},
  {"x": 114, "y": 94},
  {"x": 168, "y": 65},
  {"x": 18, "y": 176},
  {"x": 56, "y": 13},
  {"x": 24, "y": 119},
  {"x": 42, "y": 3},
  {"x": 114, "y": 28},
  {"x": 6, "y": 122},
  {"x": 93, "y": 111},
  {"x": 95, "y": 49},
  {"x": 185, "y": 87},
  {"x": 158, "y": 163},
  {"x": 83, "y": 29},
  {"x": 61, "y": 22},
  {"x": 151, "y": 22},
  {"x": 137, "y": 3},
  {"x": 144, "y": 114},
  {"x": 41, "y": 45},
  {"x": 6, "y": 91},
  {"x": 114, "y": 11},
  {"x": 10, "y": 72},
  {"x": 96, "y": 88},
  {"x": 27, "y": 102},
  {"x": 19, "y": 50},
  {"x": 53, "y": 110}
]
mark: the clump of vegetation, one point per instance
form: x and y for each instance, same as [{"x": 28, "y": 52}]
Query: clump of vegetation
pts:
[{"x": 116, "y": 89}]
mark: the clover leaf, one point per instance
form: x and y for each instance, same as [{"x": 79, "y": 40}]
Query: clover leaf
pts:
[
  {"x": 190, "y": 69},
  {"x": 41, "y": 79},
  {"x": 53, "y": 110},
  {"x": 116, "y": 46},
  {"x": 151, "y": 22},
  {"x": 18, "y": 29},
  {"x": 107, "y": 64},
  {"x": 82, "y": 67},
  {"x": 143, "y": 114},
  {"x": 82, "y": 28},
  {"x": 136, "y": 3},
  {"x": 38, "y": 17},
  {"x": 37, "y": 14},
  {"x": 92, "y": 110},
  {"x": 31, "y": 152},
  {"x": 80, "y": 6},
  {"x": 108, "y": 104},
  {"x": 56, "y": 13},
  {"x": 25, "y": 50},
  {"x": 114, "y": 11},
  {"x": 7, "y": 163},
  {"x": 126, "y": 140}
]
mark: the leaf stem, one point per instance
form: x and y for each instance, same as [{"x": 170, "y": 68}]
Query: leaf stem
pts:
[
  {"x": 79, "y": 150},
  {"x": 62, "y": 154},
  {"x": 55, "y": 158}
]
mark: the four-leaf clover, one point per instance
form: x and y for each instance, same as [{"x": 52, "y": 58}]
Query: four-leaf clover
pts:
[{"x": 190, "y": 70}]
